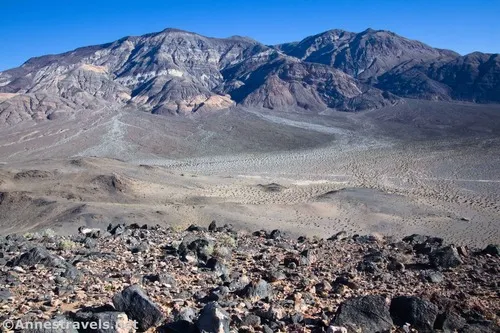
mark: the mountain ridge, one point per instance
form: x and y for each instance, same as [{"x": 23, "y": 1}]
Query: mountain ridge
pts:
[{"x": 179, "y": 72}]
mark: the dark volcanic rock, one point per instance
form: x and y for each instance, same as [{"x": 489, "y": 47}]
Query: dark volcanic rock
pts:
[
  {"x": 104, "y": 322},
  {"x": 449, "y": 322},
  {"x": 291, "y": 262},
  {"x": 116, "y": 230},
  {"x": 72, "y": 273},
  {"x": 492, "y": 249},
  {"x": 367, "y": 313},
  {"x": 194, "y": 227},
  {"x": 446, "y": 257},
  {"x": 275, "y": 234},
  {"x": 433, "y": 276},
  {"x": 416, "y": 239},
  {"x": 423, "y": 244},
  {"x": 275, "y": 275},
  {"x": 141, "y": 247},
  {"x": 186, "y": 314},
  {"x": 368, "y": 267},
  {"x": 421, "y": 314},
  {"x": 216, "y": 266},
  {"x": 161, "y": 278},
  {"x": 134, "y": 302},
  {"x": 180, "y": 326},
  {"x": 480, "y": 327},
  {"x": 212, "y": 226},
  {"x": 213, "y": 319},
  {"x": 252, "y": 286},
  {"x": 251, "y": 320},
  {"x": 201, "y": 248},
  {"x": 341, "y": 235},
  {"x": 307, "y": 258},
  {"x": 257, "y": 290},
  {"x": 4, "y": 295},
  {"x": 37, "y": 255}
]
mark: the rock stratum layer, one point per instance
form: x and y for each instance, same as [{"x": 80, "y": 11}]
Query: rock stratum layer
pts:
[{"x": 179, "y": 72}]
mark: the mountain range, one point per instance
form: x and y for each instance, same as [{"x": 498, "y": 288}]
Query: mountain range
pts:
[{"x": 179, "y": 72}]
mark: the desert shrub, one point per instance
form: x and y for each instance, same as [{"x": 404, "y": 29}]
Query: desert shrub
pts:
[
  {"x": 48, "y": 233},
  {"x": 65, "y": 245},
  {"x": 227, "y": 240}
]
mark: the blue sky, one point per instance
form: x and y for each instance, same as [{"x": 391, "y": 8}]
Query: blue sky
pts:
[{"x": 33, "y": 28}]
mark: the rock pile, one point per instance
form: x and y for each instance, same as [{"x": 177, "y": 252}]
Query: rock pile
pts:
[{"x": 218, "y": 280}]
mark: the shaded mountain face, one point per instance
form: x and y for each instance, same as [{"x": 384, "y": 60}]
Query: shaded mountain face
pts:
[
  {"x": 404, "y": 67},
  {"x": 473, "y": 78},
  {"x": 365, "y": 55},
  {"x": 178, "y": 72},
  {"x": 288, "y": 83}
]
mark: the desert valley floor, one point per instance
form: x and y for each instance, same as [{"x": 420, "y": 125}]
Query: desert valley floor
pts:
[{"x": 417, "y": 167}]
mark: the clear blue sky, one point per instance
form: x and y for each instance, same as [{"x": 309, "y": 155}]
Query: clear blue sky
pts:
[{"x": 33, "y": 28}]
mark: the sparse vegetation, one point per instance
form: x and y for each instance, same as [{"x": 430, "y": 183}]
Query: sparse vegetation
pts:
[
  {"x": 48, "y": 233},
  {"x": 227, "y": 240},
  {"x": 65, "y": 245}
]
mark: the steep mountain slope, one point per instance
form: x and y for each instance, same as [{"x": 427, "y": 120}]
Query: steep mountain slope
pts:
[
  {"x": 179, "y": 72},
  {"x": 175, "y": 72},
  {"x": 171, "y": 69},
  {"x": 474, "y": 77},
  {"x": 365, "y": 55},
  {"x": 402, "y": 66},
  {"x": 288, "y": 83}
]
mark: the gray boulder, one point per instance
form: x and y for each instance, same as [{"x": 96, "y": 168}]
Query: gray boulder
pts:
[
  {"x": 201, "y": 248},
  {"x": 433, "y": 276},
  {"x": 186, "y": 314},
  {"x": 213, "y": 319},
  {"x": 180, "y": 326},
  {"x": 446, "y": 257},
  {"x": 38, "y": 255},
  {"x": 216, "y": 266},
  {"x": 5, "y": 294},
  {"x": 72, "y": 273},
  {"x": 492, "y": 249},
  {"x": 257, "y": 290},
  {"x": 449, "y": 322},
  {"x": 103, "y": 322},
  {"x": 366, "y": 313},
  {"x": 136, "y": 304},
  {"x": 419, "y": 313}
]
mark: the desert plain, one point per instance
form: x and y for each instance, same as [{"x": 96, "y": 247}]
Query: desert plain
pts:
[{"x": 414, "y": 167}]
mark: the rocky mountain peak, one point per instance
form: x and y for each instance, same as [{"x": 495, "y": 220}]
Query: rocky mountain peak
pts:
[
  {"x": 365, "y": 55},
  {"x": 176, "y": 71}
]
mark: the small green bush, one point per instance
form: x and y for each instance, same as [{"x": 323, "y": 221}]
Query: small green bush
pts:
[{"x": 66, "y": 245}]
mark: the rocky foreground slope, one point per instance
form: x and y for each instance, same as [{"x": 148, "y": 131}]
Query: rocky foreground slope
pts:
[
  {"x": 218, "y": 280},
  {"x": 179, "y": 72}
]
